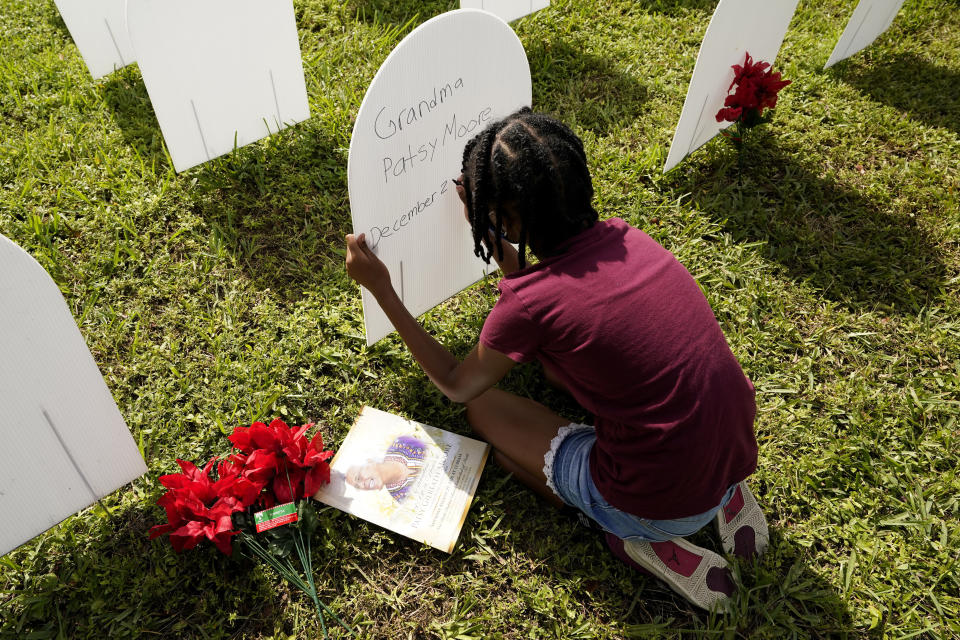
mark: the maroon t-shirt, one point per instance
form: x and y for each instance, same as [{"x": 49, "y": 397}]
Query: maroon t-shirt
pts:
[{"x": 625, "y": 327}]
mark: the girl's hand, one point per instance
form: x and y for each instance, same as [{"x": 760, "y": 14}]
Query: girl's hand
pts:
[{"x": 366, "y": 268}]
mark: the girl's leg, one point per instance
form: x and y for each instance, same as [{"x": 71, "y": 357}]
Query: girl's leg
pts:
[
  {"x": 520, "y": 430},
  {"x": 528, "y": 479}
]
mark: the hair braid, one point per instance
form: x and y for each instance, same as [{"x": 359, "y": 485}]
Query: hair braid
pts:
[
  {"x": 479, "y": 192},
  {"x": 536, "y": 166}
]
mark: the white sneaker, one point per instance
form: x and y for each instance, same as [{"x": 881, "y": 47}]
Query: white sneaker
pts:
[
  {"x": 699, "y": 575},
  {"x": 742, "y": 527}
]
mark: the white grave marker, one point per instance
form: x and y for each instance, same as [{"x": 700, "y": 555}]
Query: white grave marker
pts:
[
  {"x": 220, "y": 73},
  {"x": 99, "y": 30},
  {"x": 507, "y": 9},
  {"x": 870, "y": 19},
  {"x": 446, "y": 81},
  {"x": 737, "y": 27},
  {"x": 65, "y": 444}
]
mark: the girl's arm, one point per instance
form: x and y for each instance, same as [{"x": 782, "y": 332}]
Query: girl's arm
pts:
[{"x": 461, "y": 382}]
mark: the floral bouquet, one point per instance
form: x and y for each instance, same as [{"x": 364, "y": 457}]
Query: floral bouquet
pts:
[
  {"x": 757, "y": 87},
  {"x": 257, "y": 491}
]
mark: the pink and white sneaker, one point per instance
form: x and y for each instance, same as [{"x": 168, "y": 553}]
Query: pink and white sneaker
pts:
[
  {"x": 742, "y": 527},
  {"x": 699, "y": 575}
]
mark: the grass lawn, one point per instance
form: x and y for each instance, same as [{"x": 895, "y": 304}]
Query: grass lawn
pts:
[{"x": 217, "y": 297}]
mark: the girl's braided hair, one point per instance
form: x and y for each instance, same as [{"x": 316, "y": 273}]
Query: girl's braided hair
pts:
[{"x": 536, "y": 166}]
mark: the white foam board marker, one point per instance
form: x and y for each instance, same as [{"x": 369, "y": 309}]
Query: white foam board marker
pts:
[
  {"x": 447, "y": 80},
  {"x": 99, "y": 30},
  {"x": 65, "y": 444},
  {"x": 870, "y": 19},
  {"x": 219, "y": 73},
  {"x": 737, "y": 27},
  {"x": 509, "y": 10}
]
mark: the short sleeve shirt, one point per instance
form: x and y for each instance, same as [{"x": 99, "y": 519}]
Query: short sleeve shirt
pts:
[{"x": 626, "y": 328}]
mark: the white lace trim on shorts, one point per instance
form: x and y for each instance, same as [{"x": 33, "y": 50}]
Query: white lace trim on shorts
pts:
[{"x": 562, "y": 433}]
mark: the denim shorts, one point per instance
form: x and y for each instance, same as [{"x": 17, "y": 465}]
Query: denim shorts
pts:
[{"x": 567, "y": 468}]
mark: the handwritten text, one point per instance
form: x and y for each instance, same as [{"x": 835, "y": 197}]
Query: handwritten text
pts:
[
  {"x": 386, "y": 124},
  {"x": 453, "y": 130},
  {"x": 380, "y": 232}
]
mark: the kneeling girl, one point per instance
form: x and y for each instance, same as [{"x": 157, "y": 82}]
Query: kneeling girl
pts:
[{"x": 620, "y": 324}]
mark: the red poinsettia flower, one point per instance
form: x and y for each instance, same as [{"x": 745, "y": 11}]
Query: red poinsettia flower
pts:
[
  {"x": 192, "y": 479},
  {"x": 282, "y": 460},
  {"x": 287, "y": 485},
  {"x": 196, "y": 510},
  {"x": 259, "y": 466},
  {"x": 277, "y": 437},
  {"x": 729, "y": 114},
  {"x": 276, "y": 464},
  {"x": 757, "y": 88},
  {"x": 192, "y": 522},
  {"x": 233, "y": 484},
  {"x": 316, "y": 460}
]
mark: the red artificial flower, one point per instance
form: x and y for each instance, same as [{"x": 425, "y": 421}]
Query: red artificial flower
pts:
[
  {"x": 276, "y": 464},
  {"x": 316, "y": 459},
  {"x": 282, "y": 460},
  {"x": 232, "y": 484},
  {"x": 288, "y": 484},
  {"x": 196, "y": 510},
  {"x": 193, "y": 522},
  {"x": 729, "y": 114},
  {"x": 757, "y": 88},
  {"x": 192, "y": 480},
  {"x": 259, "y": 466}
]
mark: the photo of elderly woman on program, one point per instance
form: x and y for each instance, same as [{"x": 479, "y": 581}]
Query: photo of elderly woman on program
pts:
[{"x": 397, "y": 472}]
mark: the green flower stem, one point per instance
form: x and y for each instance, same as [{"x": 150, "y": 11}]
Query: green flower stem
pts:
[
  {"x": 289, "y": 573},
  {"x": 741, "y": 132},
  {"x": 306, "y": 559}
]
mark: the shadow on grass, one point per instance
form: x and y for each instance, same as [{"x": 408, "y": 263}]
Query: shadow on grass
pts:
[
  {"x": 125, "y": 94},
  {"x": 121, "y": 584},
  {"x": 583, "y": 89},
  {"x": 826, "y": 235},
  {"x": 521, "y": 565},
  {"x": 925, "y": 91},
  {"x": 279, "y": 205}
]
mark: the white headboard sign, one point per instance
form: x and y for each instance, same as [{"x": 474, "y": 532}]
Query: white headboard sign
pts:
[
  {"x": 220, "y": 73},
  {"x": 870, "y": 19},
  {"x": 99, "y": 29},
  {"x": 447, "y": 80},
  {"x": 509, "y": 10},
  {"x": 65, "y": 444},
  {"x": 737, "y": 27}
]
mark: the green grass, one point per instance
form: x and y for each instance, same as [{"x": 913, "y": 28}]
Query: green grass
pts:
[{"x": 218, "y": 296}]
